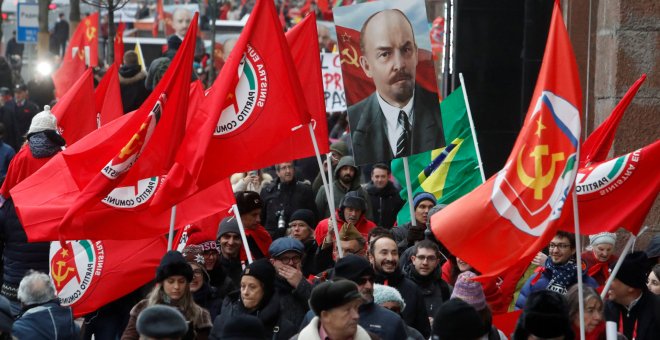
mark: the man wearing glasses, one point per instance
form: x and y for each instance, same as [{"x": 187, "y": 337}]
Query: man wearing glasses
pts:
[
  {"x": 424, "y": 270},
  {"x": 559, "y": 271}
]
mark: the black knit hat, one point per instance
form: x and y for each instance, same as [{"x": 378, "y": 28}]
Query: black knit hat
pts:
[
  {"x": 457, "y": 320},
  {"x": 243, "y": 327},
  {"x": 352, "y": 267},
  {"x": 332, "y": 294},
  {"x": 304, "y": 215},
  {"x": 263, "y": 271},
  {"x": 247, "y": 201},
  {"x": 173, "y": 263},
  {"x": 545, "y": 315},
  {"x": 354, "y": 200},
  {"x": 160, "y": 321},
  {"x": 633, "y": 270},
  {"x": 228, "y": 225}
]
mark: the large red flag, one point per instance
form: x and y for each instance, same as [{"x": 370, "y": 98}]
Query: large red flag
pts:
[
  {"x": 76, "y": 110},
  {"x": 596, "y": 147},
  {"x": 618, "y": 193},
  {"x": 82, "y": 47},
  {"x": 516, "y": 212},
  {"x": 250, "y": 108},
  {"x": 145, "y": 145},
  {"x": 90, "y": 274},
  {"x": 108, "y": 97},
  {"x": 119, "y": 44}
]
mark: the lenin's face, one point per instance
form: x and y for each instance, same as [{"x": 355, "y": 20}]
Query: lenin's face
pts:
[
  {"x": 390, "y": 56},
  {"x": 181, "y": 19}
]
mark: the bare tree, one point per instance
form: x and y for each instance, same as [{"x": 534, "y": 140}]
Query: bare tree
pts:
[
  {"x": 74, "y": 15},
  {"x": 44, "y": 36},
  {"x": 111, "y": 6}
]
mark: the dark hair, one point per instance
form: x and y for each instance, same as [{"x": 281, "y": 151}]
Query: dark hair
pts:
[
  {"x": 378, "y": 231},
  {"x": 426, "y": 244},
  {"x": 569, "y": 236},
  {"x": 277, "y": 166},
  {"x": 366, "y": 22},
  {"x": 373, "y": 242},
  {"x": 381, "y": 166},
  {"x": 573, "y": 299}
]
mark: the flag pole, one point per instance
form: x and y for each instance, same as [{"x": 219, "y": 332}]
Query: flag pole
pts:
[
  {"x": 406, "y": 170},
  {"x": 237, "y": 215},
  {"x": 326, "y": 188},
  {"x": 615, "y": 270},
  {"x": 474, "y": 133},
  {"x": 170, "y": 236},
  {"x": 578, "y": 243}
]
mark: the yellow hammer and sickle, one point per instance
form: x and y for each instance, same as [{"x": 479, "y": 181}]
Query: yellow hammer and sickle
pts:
[
  {"x": 90, "y": 32},
  {"x": 133, "y": 144},
  {"x": 539, "y": 181},
  {"x": 351, "y": 59},
  {"x": 58, "y": 275}
]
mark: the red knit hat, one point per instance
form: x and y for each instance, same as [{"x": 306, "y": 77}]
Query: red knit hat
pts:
[{"x": 196, "y": 237}]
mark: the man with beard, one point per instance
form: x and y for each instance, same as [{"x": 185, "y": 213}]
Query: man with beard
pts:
[
  {"x": 407, "y": 235},
  {"x": 384, "y": 197},
  {"x": 286, "y": 256},
  {"x": 400, "y": 118},
  {"x": 384, "y": 257},
  {"x": 229, "y": 261},
  {"x": 351, "y": 210},
  {"x": 346, "y": 179},
  {"x": 424, "y": 270}
]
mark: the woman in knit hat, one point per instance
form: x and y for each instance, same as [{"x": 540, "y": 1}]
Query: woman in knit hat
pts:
[
  {"x": 301, "y": 227},
  {"x": 601, "y": 259},
  {"x": 390, "y": 298},
  {"x": 256, "y": 297},
  {"x": 472, "y": 292},
  {"x": 594, "y": 321},
  {"x": 172, "y": 288},
  {"x": 204, "y": 294}
]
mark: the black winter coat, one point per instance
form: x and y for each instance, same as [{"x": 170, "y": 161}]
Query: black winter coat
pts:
[
  {"x": 386, "y": 203},
  {"x": 414, "y": 314},
  {"x": 644, "y": 316},
  {"x": 287, "y": 198}
]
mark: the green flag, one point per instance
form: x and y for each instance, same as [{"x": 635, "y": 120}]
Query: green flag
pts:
[{"x": 450, "y": 172}]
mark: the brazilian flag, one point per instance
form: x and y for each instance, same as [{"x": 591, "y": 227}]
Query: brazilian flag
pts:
[{"x": 450, "y": 172}]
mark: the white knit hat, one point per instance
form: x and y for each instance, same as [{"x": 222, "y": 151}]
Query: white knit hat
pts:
[
  {"x": 605, "y": 237},
  {"x": 42, "y": 121}
]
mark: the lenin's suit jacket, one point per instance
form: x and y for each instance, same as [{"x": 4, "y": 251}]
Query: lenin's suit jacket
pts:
[{"x": 369, "y": 127}]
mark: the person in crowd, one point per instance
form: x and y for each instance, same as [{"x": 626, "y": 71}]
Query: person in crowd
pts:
[
  {"x": 242, "y": 327},
  {"x": 7, "y": 153},
  {"x": 601, "y": 259},
  {"x": 594, "y": 325},
  {"x": 254, "y": 180},
  {"x": 161, "y": 322},
  {"x": 472, "y": 292},
  {"x": 6, "y": 319},
  {"x": 159, "y": 65},
  {"x": 61, "y": 34},
  {"x": 457, "y": 320},
  {"x": 19, "y": 256},
  {"x": 384, "y": 196},
  {"x": 407, "y": 235},
  {"x": 653, "y": 282},
  {"x": 229, "y": 263},
  {"x": 559, "y": 272},
  {"x": 384, "y": 257},
  {"x": 205, "y": 295},
  {"x": 41, "y": 89},
  {"x": 390, "y": 299},
  {"x": 14, "y": 47},
  {"x": 42, "y": 316},
  {"x": 545, "y": 316},
  {"x": 634, "y": 309},
  {"x": 172, "y": 288},
  {"x": 249, "y": 207},
  {"x": 337, "y": 151},
  {"x": 301, "y": 227},
  {"x": 351, "y": 241},
  {"x": 206, "y": 247},
  {"x": 424, "y": 270},
  {"x": 653, "y": 250},
  {"x": 336, "y": 307},
  {"x": 352, "y": 209},
  {"x": 257, "y": 297},
  {"x": 494, "y": 296},
  {"x": 142, "y": 12},
  {"x": 347, "y": 179},
  {"x": 286, "y": 255},
  {"x": 131, "y": 82},
  {"x": 282, "y": 197},
  {"x": 17, "y": 117}
]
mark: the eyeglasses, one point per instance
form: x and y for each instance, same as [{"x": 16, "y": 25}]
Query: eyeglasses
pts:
[
  {"x": 362, "y": 280},
  {"x": 561, "y": 246},
  {"x": 290, "y": 260},
  {"x": 430, "y": 258}
]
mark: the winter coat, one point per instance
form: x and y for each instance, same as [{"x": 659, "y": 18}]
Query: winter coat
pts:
[
  {"x": 382, "y": 322},
  {"x": 270, "y": 313},
  {"x": 209, "y": 298},
  {"x": 401, "y": 235},
  {"x": 17, "y": 121},
  {"x": 294, "y": 302},
  {"x": 434, "y": 290},
  {"x": 309, "y": 264},
  {"x": 311, "y": 332},
  {"x": 197, "y": 329},
  {"x": 131, "y": 85},
  {"x": 414, "y": 314},
  {"x": 340, "y": 191},
  {"x": 237, "y": 183},
  {"x": 599, "y": 275},
  {"x": 48, "y": 321},
  {"x": 385, "y": 203},
  {"x": 644, "y": 316},
  {"x": 363, "y": 226},
  {"x": 286, "y": 198}
]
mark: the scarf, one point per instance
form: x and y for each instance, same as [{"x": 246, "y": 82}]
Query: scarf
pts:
[
  {"x": 45, "y": 144},
  {"x": 560, "y": 276}
]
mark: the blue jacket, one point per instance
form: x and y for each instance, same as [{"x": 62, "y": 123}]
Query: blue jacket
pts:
[{"x": 48, "y": 321}]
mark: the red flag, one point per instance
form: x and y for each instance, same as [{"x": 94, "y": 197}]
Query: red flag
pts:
[
  {"x": 82, "y": 47},
  {"x": 596, "y": 147},
  {"x": 249, "y": 107},
  {"x": 516, "y": 212},
  {"x": 90, "y": 274},
  {"x": 618, "y": 193},
  {"x": 108, "y": 97},
  {"x": 76, "y": 110},
  {"x": 119, "y": 44},
  {"x": 145, "y": 146}
]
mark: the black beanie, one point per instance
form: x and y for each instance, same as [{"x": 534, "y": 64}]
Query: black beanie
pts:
[
  {"x": 633, "y": 270},
  {"x": 160, "y": 321},
  {"x": 243, "y": 327},
  {"x": 354, "y": 200},
  {"x": 332, "y": 294},
  {"x": 304, "y": 215},
  {"x": 173, "y": 263},
  {"x": 246, "y": 201},
  {"x": 545, "y": 315},
  {"x": 456, "y": 319},
  {"x": 228, "y": 225},
  {"x": 263, "y": 271},
  {"x": 352, "y": 267}
]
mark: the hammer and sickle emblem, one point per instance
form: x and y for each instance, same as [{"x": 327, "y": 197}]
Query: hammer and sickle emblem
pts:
[
  {"x": 351, "y": 58},
  {"x": 540, "y": 181},
  {"x": 60, "y": 276},
  {"x": 90, "y": 32},
  {"x": 134, "y": 143}
]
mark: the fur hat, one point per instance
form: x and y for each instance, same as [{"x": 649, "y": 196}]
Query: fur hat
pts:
[
  {"x": 609, "y": 238},
  {"x": 352, "y": 267},
  {"x": 306, "y": 216},
  {"x": 160, "y": 321},
  {"x": 633, "y": 270},
  {"x": 457, "y": 320},
  {"x": 247, "y": 201},
  {"x": 423, "y": 196},
  {"x": 384, "y": 294},
  {"x": 243, "y": 327},
  {"x": 173, "y": 263},
  {"x": 228, "y": 225},
  {"x": 545, "y": 315},
  {"x": 285, "y": 244},
  {"x": 329, "y": 295},
  {"x": 469, "y": 290},
  {"x": 43, "y": 121},
  {"x": 354, "y": 200}
]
